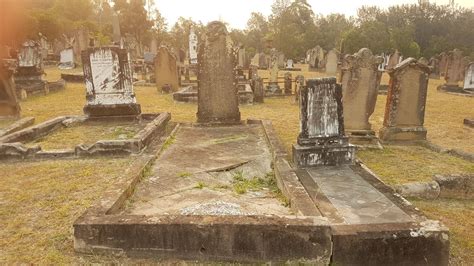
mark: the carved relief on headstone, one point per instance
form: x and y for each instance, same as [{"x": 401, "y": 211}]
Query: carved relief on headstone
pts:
[
  {"x": 454, "y": 68},
  {"x": 166, "y": 70},
  {"x": 321, "y": 140},
  {"x": 406, "y": 102},
  {"x": 218, "y": 100},
  {"x": 393, "y": 60},
  {"x": 331, "y": 62},
  {"x": 469, "y": 78},
  {"x": 66, "y": 59},
  {"x": 360, "y": 82},
  {"x": 193, "y": 47},
  {"x": 108, "y": 79},
  {"x": 9, "y": 106}
]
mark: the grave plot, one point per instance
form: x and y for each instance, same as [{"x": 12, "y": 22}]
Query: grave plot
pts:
[{"x": 78, "y": 136}]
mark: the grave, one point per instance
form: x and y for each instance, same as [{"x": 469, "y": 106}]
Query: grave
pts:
[
  {"x": 66, "y": 60},
  {"x": 9, "y": 105},
  {"x": 299, "y": 83},
  {"x": 108, "y": 79},
  {"x": 360, "y": 83},
  {"x": 393, "y": 60},
  {"x": 288, "y": 83},
  {"x": 273, "y": 88},
  {"x": 455, "y": 71},
  {"x": 443, "y": 60},
  {"x": 218, "y": 100},
  {"x": 316, "y": 58},
  {"x": 469, "y": 78},
  {"x": 28, "y": 74},
  {"x": 243, "y": 62},
  {"x": 258, "y": 89},
  {"x": 193, "y": 48},
  {"x": 331, "y": 62},
  {"x": 322, "y": 139},
  {"x": 435, "y": 67},
  {"x": 166, "y": 71},
  {"x": 406, "y": 103}
]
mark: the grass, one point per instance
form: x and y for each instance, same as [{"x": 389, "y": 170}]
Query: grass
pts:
[
  {"x": 40, "y": 200},
  {"x": 242, "y": 185},
  {"x": 6, "y": 122}
]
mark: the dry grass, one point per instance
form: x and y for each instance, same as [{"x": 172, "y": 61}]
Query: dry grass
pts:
[
  {"x": 6, "y": 122},
  {"x": 40, "y": 200}
]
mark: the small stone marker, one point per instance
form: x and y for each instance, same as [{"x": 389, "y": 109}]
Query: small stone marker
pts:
[
  {"x": 66, "y": 59},
  {"x": 360, "y": 82},
  {"x": 331, "y": 62},
  {"x": 288, "y": 83},
  {"x": 289, "y": 64},
  {"x": 434, "y": 65},
  {"x": 166, "y": 70},
  {"x": 321, "y": 140},
  {"x": 443, "y": 60},
  {"x": 469, "y": 78},
  {"x": 108, "y": 79},
  {"x": 406, "y": 102},
  {"x": 9, "y": 105},
  {"x": 218, "y": 100}
]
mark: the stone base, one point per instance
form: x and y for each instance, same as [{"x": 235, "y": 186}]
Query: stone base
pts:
[
  {"x": 218, "y": 121},
  {"x": 308, "y": 156},
  {"x": 395, "y": 134},
  {"x": 363, "y": 137},
  {"x": 112, "y": 110}
]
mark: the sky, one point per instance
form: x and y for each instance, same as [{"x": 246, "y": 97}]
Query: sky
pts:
[{"x": 237, "y": 12}]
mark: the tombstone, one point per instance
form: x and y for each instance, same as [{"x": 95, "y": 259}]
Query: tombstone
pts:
[
  {"x": 149, "y": 58},
  {"x": 273, "y": 87},
  {"x": 300, "y": 82},
  {"x": 66, "y": 59},
  {"x": 258, "y": 89},
  {"x": 262, "y": 61},
  {"x": 321, "y": 140},
  {"x": 9, "y": 105},
  {"x": 406, "y": 102},
  {"x": 28, "y": 74},
  {"x": 393, "y": 60},
  {"x": 166, "y": 70},
  {"x": 443, "y": 61},
  {"x": 218, "y": 100},
  {"x": 469, "y": 78},
  {"x": 289, "y": 64},
  {"x": 360, "y": 83},
  {"x": 81, "y": 37},
  {"x": 242, "y": 58},
  {"x": 331, "y": 62},
  {"x": 108, "y": 79},
  {"x": 281, "y": 60},
  {"x": 154, "y": 46},
  {"x": 43, "y": 42},
  {"x": 255, "y": 60},
  {"x": 434, "y": 65},
  {"x": 193, "y": 46},
  {"x": 454, "y": 69},
  {"x": 288, "y": 83}
]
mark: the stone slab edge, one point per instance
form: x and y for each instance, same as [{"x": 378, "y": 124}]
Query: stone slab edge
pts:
[{"x": 18, "y": 125}]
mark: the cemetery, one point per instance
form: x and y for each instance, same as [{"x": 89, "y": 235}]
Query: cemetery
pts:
[{"x": 300, "y": 138}]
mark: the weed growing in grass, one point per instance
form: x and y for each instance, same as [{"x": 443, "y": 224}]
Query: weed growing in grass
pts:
[
  {"x": 169, "y": 141},
  {"x": 200, "y": 185},
  {"x": 184, "y": 174}
]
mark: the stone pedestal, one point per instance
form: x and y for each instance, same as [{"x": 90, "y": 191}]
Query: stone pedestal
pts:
[
  {"x": 218, "y": 100},
  {"x": 321, "y": 140},
  {"x": 108, "y": 79},
  {"x": 406, "y": 102}
]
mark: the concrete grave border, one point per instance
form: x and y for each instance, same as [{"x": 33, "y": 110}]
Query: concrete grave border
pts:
[
  {"x": 12, "y": 147},
  {"x": 17, "y": 125},
  {"x": 306, "y": 237}
]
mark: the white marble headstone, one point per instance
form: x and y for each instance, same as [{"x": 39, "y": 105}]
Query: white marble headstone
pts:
[{"x": 469, "y": 78}]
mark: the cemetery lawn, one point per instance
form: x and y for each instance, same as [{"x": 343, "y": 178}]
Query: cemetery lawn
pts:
[
  {"x": 41, "y": 199},
  {"x": 6, "y": 122}
]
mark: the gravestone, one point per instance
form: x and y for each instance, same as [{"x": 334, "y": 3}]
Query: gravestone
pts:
[
  {"x": 423, "y": 60},
  {"x": 443, "y": 61},
  {"x": 316, "y": 57},
  {"x": 81, "y": 42},
  {"x": 193, "y": 47},
  {"x": 28, "y": 74},
  {"x": 108, "y": 79},
  {"x": 331, "y": 62},
  {"x": 288, "y": 83},
  {"x": 9, "y": 106},
  {"x": 255, "y": 60},
  {"x": 300, "y": 82},
  {"x": 289, "y": 64},
  {"x": 469, "y": 78},
  {"x": 360, "y": 83},
  {"x": 258, "y": 89},
  {"x": 393, "y": 60},
  {"x": 263, "y": 62},
  {"x": 242, "y": 58},
  {"x": 406, "y": 102},
  {"x": 218, "y": 100},
  {"x": 454, "y": 69},
  {"x": 166, "y": 71},
  {"x": 273, "y": 87},
  {"x": 66, "y": 59},
  {"x": 434, "y": 65},
  {"x": 321, "y": 140}
]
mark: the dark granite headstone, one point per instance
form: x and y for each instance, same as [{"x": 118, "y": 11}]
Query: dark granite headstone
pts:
[
  {"x": 218, "y": 100},
  {"x": 321, "y": 140},
  {"x": 108, "y": 79}
]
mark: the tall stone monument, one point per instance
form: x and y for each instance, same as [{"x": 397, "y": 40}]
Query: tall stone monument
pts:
[
  {"x": 469, "y": 78},
  {"x": 331, "y": 62},
  {"x": 9, "y": 106},
  {"x": 406, "y": 102},
  {"x": 108, "y": 79},
  {"x": 360, "y": 82},
  {"x": 321, "y": 140},
  {"x": 193, "y": 47},
  {"x": 166, "y": 70},
  {"x": 218, "y": 100}
]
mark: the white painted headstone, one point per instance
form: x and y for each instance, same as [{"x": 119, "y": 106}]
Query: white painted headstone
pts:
[
  {"x": 469, "y": 79},
  {"x": 289, "y": 64},
  {"x": 193, "y": 46},
  {"x": 66, "y": 60}
]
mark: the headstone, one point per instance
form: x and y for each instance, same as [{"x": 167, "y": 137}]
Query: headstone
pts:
[
  {"x": 288, "y": 83},
  {"x": 154, "y": 46},
  {"x": 218, "y": 100},
  {"x": 149, "y": 58},
  {"x": 30, "y": 56},
  {"x": 406, "y": 102},
  {"x": 242, "y": 58},
  {"x": 9, "y": 106},
  {"x": 193, "y": 46},
  {"x": 300, "y": 82},
  {"x": 81, "y": 42},
  {"x": 434, "y": 65},
  {"x": 393, "y": 60},
  {"x": 255, "y": 60},
  {"x": 423, "y": 60},
  {"x": 262, "y": 61},
  {"x": 321, "y": 140},
  {"x": 360, "y": 83},
  {"x": 28, "y": 74},
  {"x": 289, "y": 64},
  {"x": 469, "y": 78},
  {"x": 273, "y": 87},
  {"x": 66, "y": 59},
  {"x": 281, "y": 60},
  {"x": 108, "y": 79},
  {"x": 443, "y": 61},
  {"x": 258, "y": 89},
  {"x": 331, "y": 62},
  {"x": 166, "y": 70},
  {"x": 44, "y": 47},
  {"x": 454, "y": 68},
  {"x": 117, "y": 36}
]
